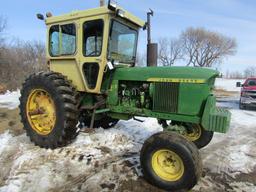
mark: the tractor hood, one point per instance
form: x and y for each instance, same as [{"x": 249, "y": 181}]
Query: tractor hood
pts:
[{"x": 166, "y": 74}]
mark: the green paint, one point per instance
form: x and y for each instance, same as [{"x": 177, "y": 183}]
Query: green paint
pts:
[
  {"x": 120, "y": 116},
  {"x": 113, "y": 93},
  {"x": 145, "y": 73},
  {"x": 191, "y": 98},
  {"x": 148, "y": 113},
  {"x": 102, "y": 111},
  {"x": 195, "y": 103},
  {"x": 215, "y": 119}
]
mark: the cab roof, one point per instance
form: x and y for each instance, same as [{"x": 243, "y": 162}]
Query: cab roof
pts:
[{"x": 92, "y": 12}]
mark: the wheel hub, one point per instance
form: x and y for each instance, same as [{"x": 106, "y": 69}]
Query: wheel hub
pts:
[
  {"x": 41, "y": 111},
  {"x": 194, "y": 133},
  {"x": 167, "y": 165}
]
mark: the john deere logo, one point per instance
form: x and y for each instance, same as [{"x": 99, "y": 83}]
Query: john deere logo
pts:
[{"x": 176, "y": 80}]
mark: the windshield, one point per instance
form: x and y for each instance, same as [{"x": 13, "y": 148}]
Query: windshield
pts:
[
  {"x": 122, "y": 43},
  {"x": 251, "y": 82}
]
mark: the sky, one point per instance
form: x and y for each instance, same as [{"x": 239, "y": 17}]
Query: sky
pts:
[{"x": 233, "y": 18}]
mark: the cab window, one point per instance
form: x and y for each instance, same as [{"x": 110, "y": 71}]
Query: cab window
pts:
[
  {"x": 62, "y": 40},
  {"x": 122, "y": 43},
  {"x": 92, "y": 38}
]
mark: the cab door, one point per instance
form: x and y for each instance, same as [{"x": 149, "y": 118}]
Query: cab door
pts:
[{"x": 94, "y": 32}]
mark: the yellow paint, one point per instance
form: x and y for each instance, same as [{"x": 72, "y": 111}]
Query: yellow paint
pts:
[
  {"x": 167, "y": 165},
  {"x": 72, "y": 65},
  {"x": 40, "y": 111},
  {"x": 69, "y": 68},
  {"x": 92, "y": 13},
  {"x": 195, "y": 134},
  {"x": 176, "y": 80}
]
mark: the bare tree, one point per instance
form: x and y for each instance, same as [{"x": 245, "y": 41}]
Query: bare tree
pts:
[
  {"x": 19, "y": 60},
  {"x": 250, "y": 72},
  {"x": 236, "y": 75},
  {"x": 3, "y": 25},
  {"x": 141, "y": 59},
  {"x": 204, "y": 48},
  {"x": 170, "y": 51}
]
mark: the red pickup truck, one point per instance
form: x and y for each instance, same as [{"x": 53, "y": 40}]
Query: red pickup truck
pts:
[{"x": 248, "y": 93}]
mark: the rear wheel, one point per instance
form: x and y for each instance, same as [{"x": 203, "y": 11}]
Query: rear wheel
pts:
[
  {"x": 170, "y": 162},
  {"x": 48, "y": 109}
]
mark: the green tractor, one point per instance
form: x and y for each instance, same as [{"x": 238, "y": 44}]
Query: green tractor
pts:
[{"x": 93, "y": 82}]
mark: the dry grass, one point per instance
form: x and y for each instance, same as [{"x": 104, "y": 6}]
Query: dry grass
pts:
[
  {"x": 224, "y": 93},
  {"x": 3, "y": 88}
]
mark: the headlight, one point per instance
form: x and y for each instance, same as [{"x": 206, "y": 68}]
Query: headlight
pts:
[
  {"x": 112, "y": 5},
  {"x": 120, "y": 13}
]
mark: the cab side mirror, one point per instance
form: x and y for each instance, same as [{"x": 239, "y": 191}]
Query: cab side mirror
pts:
[{"x": 238, "y": 84}]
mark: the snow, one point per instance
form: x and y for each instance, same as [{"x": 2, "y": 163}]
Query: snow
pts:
[
  {"x": 101, "y": 157},
  {"x": 228, "y": 84},
  {"x": 36, "y": 169},
  {"x": 10, "y": 100},
  {"x": 4, "y": 139}
]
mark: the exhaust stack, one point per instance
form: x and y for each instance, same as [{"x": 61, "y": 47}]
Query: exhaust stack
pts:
[{"x": 152, "y": 48}]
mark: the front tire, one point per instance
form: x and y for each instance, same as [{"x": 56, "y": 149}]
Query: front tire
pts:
[
  {"x": 171, "y": 162},
  {"x": 48, "y": 109}
]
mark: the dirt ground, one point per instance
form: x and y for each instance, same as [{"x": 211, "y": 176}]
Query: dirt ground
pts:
[
  {"x": 229, "y": 161},
  {"x": 10, "y": 120}
]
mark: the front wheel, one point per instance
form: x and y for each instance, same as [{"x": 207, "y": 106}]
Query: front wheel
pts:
[{"x": 170, "y": 162}]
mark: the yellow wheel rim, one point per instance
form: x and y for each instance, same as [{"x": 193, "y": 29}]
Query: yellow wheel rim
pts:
[
  {"x": 167, "y": 165},
  {"x": 40, "y": 109},
  {"x": 195, "y": 134}
]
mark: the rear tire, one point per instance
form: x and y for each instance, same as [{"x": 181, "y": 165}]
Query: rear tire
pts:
[
  {"x": 171, "y": 162},
  {"x": 63, "y": 96}
]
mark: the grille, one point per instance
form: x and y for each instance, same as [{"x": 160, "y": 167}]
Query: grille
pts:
[
  {"x": 253, "y": 96},
  {"x": 165, "y": 97},
  {"x": 253, "y": 92}
]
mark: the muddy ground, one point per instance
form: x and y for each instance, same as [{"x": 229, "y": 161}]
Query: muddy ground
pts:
[
  {"x": 113, "y": 165},
  {"x": 10, "y": 120}
]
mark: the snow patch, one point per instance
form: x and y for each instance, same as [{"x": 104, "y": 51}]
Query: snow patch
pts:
[
  {"x": 100, "y": 157},
  {"x": 228, "y": 84},
  {"x": 4, "y": 140},
  {"x": 233, "y": 153},
  {"x": 10, "y": 100}
]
